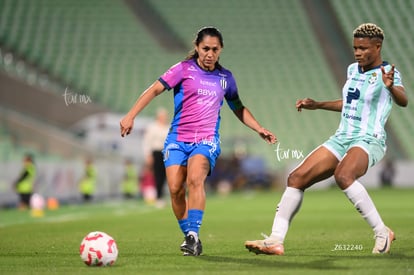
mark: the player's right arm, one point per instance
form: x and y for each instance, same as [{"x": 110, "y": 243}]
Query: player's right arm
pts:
[
  {"x": 310, "y": 104},
  {"x": 144, "y": 99}
]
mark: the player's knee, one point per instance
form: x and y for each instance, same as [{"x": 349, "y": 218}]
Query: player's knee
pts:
[
  {"x": 296, "y": 180},
  {"x": 177, "y": 190},
  {"x": 343, "y": 178},
  {"x": 194, "y": 182}
]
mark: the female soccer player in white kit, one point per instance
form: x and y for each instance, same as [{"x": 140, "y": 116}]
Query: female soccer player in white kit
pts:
[{"x": 371, "y": 88}]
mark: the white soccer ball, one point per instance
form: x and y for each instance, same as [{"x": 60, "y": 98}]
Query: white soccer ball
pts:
[
  {"x": 98, "y": 249},
  {"x": 37, "y": 202}
]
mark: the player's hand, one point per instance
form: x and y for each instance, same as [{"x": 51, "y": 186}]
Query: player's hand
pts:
[
  {"x": 306, "y": 103},
  {"x": 126, "y": 125},
  {"x": 268, "y": 136},
  {"x": 388, "y": 77}
]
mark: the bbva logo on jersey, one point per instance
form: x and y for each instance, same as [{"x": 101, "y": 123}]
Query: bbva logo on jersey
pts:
[{"x": 353, "y": 94}]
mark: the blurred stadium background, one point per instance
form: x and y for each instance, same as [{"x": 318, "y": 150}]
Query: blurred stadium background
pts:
[{"x": 69, "y": 70}]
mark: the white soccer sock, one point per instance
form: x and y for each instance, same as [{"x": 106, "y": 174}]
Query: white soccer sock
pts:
[
  {"x": 287, "y": 208},
  {"x": 359, "y": 196}
]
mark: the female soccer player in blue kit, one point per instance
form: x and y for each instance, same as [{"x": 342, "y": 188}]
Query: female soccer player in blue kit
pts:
[
  {"x": 371, "y": 88},
  {"x": 192, "y": 146}
]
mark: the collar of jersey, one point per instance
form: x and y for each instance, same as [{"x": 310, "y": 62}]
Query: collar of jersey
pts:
[{"x": 384, "y": 63}]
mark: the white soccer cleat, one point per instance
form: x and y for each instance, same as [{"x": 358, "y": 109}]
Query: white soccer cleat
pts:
[{"x": 383, "y": 241}]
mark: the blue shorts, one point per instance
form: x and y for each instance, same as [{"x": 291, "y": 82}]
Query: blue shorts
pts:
[
  {"x": 375, "y": 148},
  {"x": 178, "y": 152}
]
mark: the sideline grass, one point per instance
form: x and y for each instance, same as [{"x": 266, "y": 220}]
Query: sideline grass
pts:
[{"x": 148, "y": 238}]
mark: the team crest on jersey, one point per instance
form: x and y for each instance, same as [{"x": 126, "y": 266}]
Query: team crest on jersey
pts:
[
  {"x": 223, "y": 83},
  {"x": 373, "y": 78}
]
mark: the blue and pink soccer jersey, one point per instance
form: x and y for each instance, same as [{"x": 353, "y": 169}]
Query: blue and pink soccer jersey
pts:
[{"x": 198, "y": 97}]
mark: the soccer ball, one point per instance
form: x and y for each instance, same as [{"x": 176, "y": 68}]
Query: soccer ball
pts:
[{"x": 98, "y": 249}]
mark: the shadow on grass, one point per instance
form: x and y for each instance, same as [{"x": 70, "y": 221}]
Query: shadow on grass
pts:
[
  {"x": 284, "y": 262},
  {"x": 331, "y": 262}
]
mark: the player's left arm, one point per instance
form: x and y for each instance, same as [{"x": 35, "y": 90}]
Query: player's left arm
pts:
[
  {"x": 245, "y": 116},
  {"x": 397, "y": 92}
]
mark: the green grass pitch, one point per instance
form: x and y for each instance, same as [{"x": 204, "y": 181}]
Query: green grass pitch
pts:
[{"x": 327, "y": 236}]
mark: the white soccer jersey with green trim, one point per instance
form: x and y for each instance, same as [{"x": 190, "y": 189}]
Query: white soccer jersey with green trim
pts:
[{"x": 367, "y": 102}]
